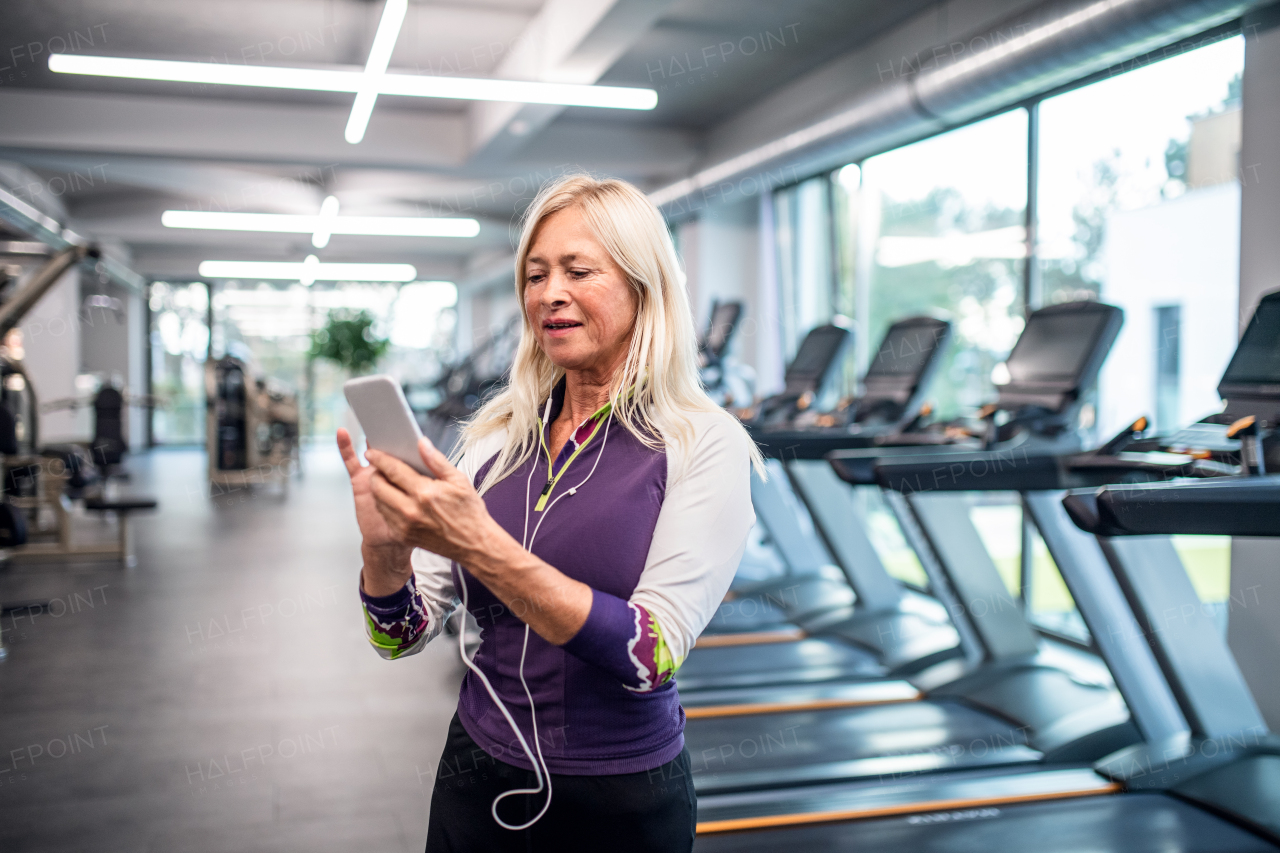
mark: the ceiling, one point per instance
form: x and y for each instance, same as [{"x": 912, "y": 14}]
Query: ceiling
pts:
[{"x": 116, "y": 153}]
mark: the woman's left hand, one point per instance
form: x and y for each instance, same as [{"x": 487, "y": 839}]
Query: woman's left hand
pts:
[{"x": 443, "y": 514}]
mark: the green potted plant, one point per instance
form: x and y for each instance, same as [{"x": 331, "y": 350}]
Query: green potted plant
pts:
[{"x": 348, "y": 340}]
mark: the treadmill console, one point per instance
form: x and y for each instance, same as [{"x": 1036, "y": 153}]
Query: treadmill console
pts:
[
  {"x": 901, "y": 370},
  {"x": 816, "y": 363},
  {"x": 817, "y": 360},
  {"x": 720, "y": 328},
  {"x": 1058, "y": 356},
  {"x": 1251, "y": 383}
]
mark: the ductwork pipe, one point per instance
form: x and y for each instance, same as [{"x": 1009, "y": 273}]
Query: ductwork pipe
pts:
[{"x": 1048, "y": 46}]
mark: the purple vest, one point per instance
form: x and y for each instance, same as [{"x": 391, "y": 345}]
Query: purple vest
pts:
[{"x": 588, "y": 723}]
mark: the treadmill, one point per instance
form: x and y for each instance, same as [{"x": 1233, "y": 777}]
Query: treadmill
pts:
[
  {"x": 892, "y": 628},
  {"x": 1000, "y": 694},
  {"x": 794, "y": 436},
  {"x": 811, "y": 583},
  {"x": 1203, "y": 739},
  {"x": 722, "y": 378},
  {"x": 754, "y": 640},
  {"x": 1226, "y": 760}
]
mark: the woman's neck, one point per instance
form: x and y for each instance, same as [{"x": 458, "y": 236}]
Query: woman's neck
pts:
[
  {"x": 584, "y": 394},
  {"x": 585, "y": 391}
]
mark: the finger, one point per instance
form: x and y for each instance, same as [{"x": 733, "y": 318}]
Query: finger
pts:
[
  {"x": 394, "y": 470},
  {"x": 385, "y": 492},
  {"x": 437, "y": 463},
  {"x": 348, "y": 450}
]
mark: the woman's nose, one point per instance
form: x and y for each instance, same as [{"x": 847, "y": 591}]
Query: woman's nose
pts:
[{"x": 556, "y": 292}]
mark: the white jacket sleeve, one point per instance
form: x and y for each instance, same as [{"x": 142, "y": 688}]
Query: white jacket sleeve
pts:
[{"x": 701, "y": 533}]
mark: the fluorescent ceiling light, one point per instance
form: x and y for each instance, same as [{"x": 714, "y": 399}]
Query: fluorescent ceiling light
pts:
[
  {"x": 309, "y": 271},
  {"x": 287, "y": 223},
  {"x": 379, "y": 55},
  {"x": 325, "y": 80},
  {"x": 324, "y": 222}
]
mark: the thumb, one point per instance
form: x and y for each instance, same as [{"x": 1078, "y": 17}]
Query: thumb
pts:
[{"x": 437, "y": 463}]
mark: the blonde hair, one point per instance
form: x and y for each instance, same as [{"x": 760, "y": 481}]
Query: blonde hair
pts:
[{"x": 657, "y": 385}]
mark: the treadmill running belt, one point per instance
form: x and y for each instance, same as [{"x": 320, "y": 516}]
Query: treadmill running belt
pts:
[
  {"x": 737, "y": 753},
  {"x": 798, "y": 662},
  {"x": 1129, "y": 823}
]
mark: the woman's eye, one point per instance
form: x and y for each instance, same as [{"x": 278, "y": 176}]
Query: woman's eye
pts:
[{"x": 580, "y": 273}]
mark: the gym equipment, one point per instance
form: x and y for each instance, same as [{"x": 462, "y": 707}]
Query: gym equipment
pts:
[
  {"x": 108, "y": 445},
  {"x": 999, "y": 693},
  {"x": 1219, "y": 753},
  {"x": 895, "y": 387},
  {"x": 883, "y": 628},
  {"x": 725, "y": 379},
  {"x": 1202, "y": 738},
  {"x": 464, "y": 385},
  {"x": 251, "y": 427},
  {"x": 39, "y": 482}
]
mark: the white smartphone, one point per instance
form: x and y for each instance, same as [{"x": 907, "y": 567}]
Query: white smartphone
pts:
[{"x": 386, "y": 418}]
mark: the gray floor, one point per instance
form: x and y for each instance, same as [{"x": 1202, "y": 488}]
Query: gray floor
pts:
[{"x": 220, "y": 696}]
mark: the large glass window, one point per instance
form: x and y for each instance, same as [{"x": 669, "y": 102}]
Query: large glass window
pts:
[
  {"x": 269, "y": 326},
  {"x": 805, "y": 276},
  {"x": 938, "y": 227},
  {"x": 1025, "y": 565},
  {"x": 886, "y": 536},
  {"x": 179, "y": 346},
  {"x": 1139, "y": 206}
]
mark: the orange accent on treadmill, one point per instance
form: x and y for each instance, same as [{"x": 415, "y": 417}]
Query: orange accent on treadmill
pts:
[
  {"x": 743, "y": 710},
  {"x": 775, "y": 821},
  {"x": 751, "y": 638}
]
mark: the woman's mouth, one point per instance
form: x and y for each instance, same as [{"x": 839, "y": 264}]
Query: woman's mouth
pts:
[{"x": 560, "y": 328}]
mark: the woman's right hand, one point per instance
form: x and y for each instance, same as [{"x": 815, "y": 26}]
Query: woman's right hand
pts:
[{"x": 386, "y": 560}]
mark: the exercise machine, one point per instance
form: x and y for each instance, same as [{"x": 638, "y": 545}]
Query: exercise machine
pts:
[
  {"x": 464, "y": 386},
  {"x": 251, "y": 428},
  {"x": 1000, "y": 692},
  {"x": 40, "y": 482},
  {"x": 725, "y": 379},
  {"x": 1206, "y": 772},
  {"x": 893, "y": 401}
]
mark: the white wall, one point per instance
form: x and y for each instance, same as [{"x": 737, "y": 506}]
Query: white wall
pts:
[
  {"x": 117, "y": 349},
  {"x": 1255, "y": 563},
  {"x": 1181, "y": 252},
  {"x": 726, "y": 257},
  {"x": 51, "y": 341}
]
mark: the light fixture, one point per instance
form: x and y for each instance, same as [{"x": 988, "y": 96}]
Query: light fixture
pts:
[
  {"x": 366, "y": 85},
  {"x": 384, "y": 41},
  {"x": 307, "y": 272},
  {"x": 324, "y": 222},
  {"x": 319, "y": 226},
  {"x": 325, "y": 80}
]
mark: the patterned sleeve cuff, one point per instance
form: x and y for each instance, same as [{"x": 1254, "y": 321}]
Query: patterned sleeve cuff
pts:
[
  {"x": 624, "y": 639},
  {"x": 395, "y": 623}
]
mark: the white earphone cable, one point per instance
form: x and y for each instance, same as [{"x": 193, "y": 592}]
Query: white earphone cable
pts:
[{"x": 540, "y": 771}]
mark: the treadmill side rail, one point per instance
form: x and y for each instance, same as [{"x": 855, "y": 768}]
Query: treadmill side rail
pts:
[
  {"x": 1192, "y": 653},
  {"x": 1111, "y": 623},
  {"x": 842, "y": 526}
]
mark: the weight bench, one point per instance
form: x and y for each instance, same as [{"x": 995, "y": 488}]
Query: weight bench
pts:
[{"x": 122, "y": 508}]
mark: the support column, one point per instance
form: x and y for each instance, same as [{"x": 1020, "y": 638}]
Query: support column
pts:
[{"x": 1254, "y": 613}]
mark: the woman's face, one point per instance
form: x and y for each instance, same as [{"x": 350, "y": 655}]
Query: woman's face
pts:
[{"x": 577, "y": 299}]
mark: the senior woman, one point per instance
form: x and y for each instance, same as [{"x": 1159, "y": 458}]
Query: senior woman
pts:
[{"x": 599, "y": 508}]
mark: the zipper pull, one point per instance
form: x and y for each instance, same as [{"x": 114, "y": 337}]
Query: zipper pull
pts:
[{"x": 542, "y": 497}]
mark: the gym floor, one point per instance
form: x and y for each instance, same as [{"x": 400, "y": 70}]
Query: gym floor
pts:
[{"x": 219, "y": 696}]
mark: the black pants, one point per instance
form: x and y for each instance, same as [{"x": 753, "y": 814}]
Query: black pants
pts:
[{"x": 649, "y": 811}]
